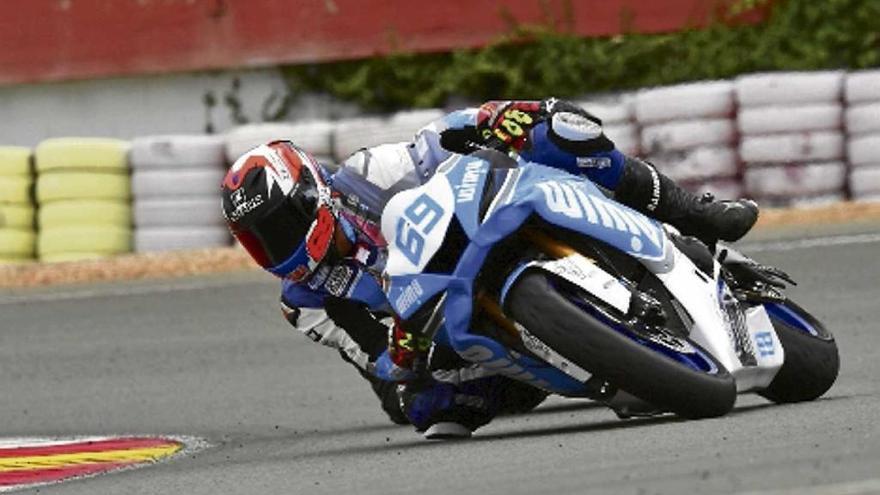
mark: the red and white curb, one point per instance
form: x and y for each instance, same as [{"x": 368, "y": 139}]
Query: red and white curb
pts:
[{"x": 30, "y": 462}]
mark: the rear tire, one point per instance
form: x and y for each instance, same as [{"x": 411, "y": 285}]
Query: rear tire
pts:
[
  {"x": 614, "y": 356},
  {"x": 811, "y": 361}
]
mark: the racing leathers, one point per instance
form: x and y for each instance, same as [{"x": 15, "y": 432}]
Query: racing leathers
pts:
[{"x": 343, "y": 305}]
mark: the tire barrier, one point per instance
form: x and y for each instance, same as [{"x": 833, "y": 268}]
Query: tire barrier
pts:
[
  {"x": 864, "y": 182},
  {"x": 792, "y": 133},
  {"x": 148, "y": 239},
  {"x": 59, "y": 185},
  {"x": 171, "y": 212},
  {"x": 862, "y": 86},
  {"x": 354, "y": 134},
  {"x": 16, "y": 216},
  {"x": 713, "y": 99},
  {"x": 83, "y": 191},
  {"x": 15, "y": 190},
  {"x": 863, "y": 118},
  {"x": 785, "y": 148},
  {"x": 81, "y": 154},
  {"x": 611, "y": 111},
  {"x": 76, "y": 212},
  {"x": 688, "y": 132},
  {"x": 177, "y": 151},
  {"x": 787, "y": 119},
  {"x": 618, "y": 122},
  {"x": 781, "y": 182},
  {"x": 789, "y": 88},
  {"x": 82, "y": 242},
  {"x": 16, "y": 244},
  {"x": 15, "y": 161},
  {"x": 698, "y": 164},
  {"x": 176, "y": 183},
  {"x": 313, "y": 136},
  {"x": 17, "y": 235},
  {"x": 863, "y": 134}
]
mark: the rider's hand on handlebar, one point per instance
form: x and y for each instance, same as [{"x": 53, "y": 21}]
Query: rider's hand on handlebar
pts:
[{"x": 505, "y": 125}]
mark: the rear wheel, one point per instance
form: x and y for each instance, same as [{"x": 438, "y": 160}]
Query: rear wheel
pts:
[
  {"x": 667, "y": 370},
  {"x": 811, "y": 359}
]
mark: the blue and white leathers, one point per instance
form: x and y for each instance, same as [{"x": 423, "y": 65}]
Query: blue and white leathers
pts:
[{"x": 415, "y": 222}]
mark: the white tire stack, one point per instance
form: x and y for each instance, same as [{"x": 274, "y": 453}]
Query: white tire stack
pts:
[
  {"x": 792, "y": 142},
  {"x": 618, "y": 121},
  {"x": 17, "y": 236},
  {"x": 862, "y": 92},
  {"x": 176, "y": 184},
  {"x": 314, "y": 137},
  {"x": 351, "y": 135},
  {"x": 688, "y": 131},
  {"x": 83, "y": 194}
]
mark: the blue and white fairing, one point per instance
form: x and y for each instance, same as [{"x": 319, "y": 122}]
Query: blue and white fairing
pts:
[{"x": 415, "y": 222}]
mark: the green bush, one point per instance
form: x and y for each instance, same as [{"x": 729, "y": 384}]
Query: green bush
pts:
[{"x": 533, "y": 62}]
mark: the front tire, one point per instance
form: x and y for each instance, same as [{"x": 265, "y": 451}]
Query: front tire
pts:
[
  {"x": 811, "y": 360},
  {"x": 617, "y": 354}
]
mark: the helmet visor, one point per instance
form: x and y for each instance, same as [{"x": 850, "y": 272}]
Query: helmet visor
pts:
[{"x": 276, "y": 236}]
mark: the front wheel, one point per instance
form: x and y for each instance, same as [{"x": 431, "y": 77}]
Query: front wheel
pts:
[
  {"x": 811, "y": 360},
  {"x": 668, "y": 371}
]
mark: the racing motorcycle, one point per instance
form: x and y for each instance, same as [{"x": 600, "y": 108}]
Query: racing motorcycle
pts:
[{"x": 539, "y": 275}]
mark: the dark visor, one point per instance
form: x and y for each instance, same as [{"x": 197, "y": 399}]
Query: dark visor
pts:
[{"x": 272, "y": 239}]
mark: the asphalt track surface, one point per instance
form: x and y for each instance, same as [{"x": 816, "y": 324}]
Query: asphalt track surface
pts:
[{"x": 211, "y": 358}]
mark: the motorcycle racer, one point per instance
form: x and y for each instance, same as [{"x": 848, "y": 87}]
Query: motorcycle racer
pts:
[{"x": 318, "y": 231}]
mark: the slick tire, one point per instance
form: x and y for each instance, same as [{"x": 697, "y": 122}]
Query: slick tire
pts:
[
  {"x": 591, "y": 344},
  {"x": 811, "y": 361},
  {"x": 81, "y": 154}
]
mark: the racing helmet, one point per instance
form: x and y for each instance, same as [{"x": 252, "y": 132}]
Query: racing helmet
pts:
[{"x": 278, "y": 205}]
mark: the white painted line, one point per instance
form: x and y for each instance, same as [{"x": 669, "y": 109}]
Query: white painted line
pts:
[
  {"x": 79, "y": 294},
  {"x": 840, "y": 240},
  {"x": 16, "y": 442},
  {"x": 866, "y": 487}
]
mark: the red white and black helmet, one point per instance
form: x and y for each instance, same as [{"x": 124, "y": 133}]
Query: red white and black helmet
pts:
[{"x": 279, "y": 207}]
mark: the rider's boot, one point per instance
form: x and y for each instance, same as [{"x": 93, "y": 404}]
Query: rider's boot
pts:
[{"x": 643, "y": 188}]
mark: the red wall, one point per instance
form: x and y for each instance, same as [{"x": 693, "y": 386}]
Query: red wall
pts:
[{"x": 45, "y": 40}]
